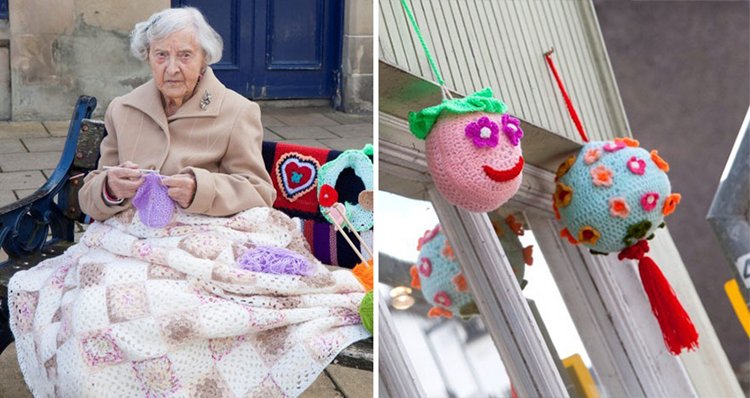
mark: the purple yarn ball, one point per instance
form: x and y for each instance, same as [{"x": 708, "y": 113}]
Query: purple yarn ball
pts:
[{"x": 275, "y": 260}]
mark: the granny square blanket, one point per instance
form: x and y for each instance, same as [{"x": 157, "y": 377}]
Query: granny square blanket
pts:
[{"x": 135, "y": 311}]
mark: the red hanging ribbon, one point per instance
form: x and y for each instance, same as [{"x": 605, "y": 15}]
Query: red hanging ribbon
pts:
[
  {"x": 568, "y": 102},
  {"x": 676, "y": 327}
]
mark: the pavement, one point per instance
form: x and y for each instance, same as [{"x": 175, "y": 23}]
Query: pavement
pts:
[{"x": 29, "y": 152}]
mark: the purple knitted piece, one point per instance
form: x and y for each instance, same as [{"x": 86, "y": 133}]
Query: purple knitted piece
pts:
[
  {"x": 275, "y": 260},
  {"x": 154, "y": 205}
]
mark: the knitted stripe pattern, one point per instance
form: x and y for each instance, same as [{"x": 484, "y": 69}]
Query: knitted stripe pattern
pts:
[
  {"x": 611, "y": 195},
  {"x": 457, "y": 161}
]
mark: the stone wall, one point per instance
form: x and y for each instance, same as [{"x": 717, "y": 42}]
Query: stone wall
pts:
[
  {"x": 357, "y": 50},
  {"x": 62, "y": 49}
]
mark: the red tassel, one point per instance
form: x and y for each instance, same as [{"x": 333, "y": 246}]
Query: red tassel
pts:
[{"x": 676, "y": 327}]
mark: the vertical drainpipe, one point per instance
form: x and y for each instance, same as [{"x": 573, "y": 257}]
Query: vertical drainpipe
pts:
[{"x": 730, "y": 210}]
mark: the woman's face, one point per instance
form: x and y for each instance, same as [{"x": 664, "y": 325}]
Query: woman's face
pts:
[{"x": 176, "y": 62}]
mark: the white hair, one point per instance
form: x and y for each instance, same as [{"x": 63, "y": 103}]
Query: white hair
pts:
[{"x": 166, "y": 22}]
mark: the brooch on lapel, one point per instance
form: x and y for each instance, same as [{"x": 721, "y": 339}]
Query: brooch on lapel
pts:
[{"x": 205, "y": 100}]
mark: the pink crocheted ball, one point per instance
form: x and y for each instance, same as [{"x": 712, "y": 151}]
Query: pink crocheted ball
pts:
[{"x": 475, "y": 159}]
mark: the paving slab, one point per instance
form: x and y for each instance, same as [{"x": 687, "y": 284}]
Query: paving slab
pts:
[
  {"x": 269, "y": 135},
  {"x": 323, "y": 387},
  {"x": 21, "y": 180},
  {"x": 22, "y": 129},
  {"x": 10, "y": 145},
  {"x": 44, "y": 144},
  {"x": 343, "y": 144},
  {"x": 302, "y": 132},
  {"x": 29, "y": 161},
  {"x": 6, "y": 198},
  {"x": 57, "y": 128},
  {"x": 348, "y": 118},
  {"x": 269, "y": 120},
  {"x": 11, "y": 380},
  {"x": 22, "y": 193},
  {"x": 312, "y": 143},
  {"x": 349, "y": 130},
  {"x": 306, "y": 119},
  {"x": 354, "y": 383}
]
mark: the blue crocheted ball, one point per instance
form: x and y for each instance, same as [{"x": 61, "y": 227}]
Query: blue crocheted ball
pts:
[
  {"x": 613, "y": 194},
  {"x": 440, "y": 277}
]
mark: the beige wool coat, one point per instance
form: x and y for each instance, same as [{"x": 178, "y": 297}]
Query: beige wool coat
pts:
[{"x": 220, "y": 145}]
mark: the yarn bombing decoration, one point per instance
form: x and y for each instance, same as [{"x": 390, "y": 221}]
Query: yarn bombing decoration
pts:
[
  {"x": 359, "y": 208},
  {"x": 296, "y": 174},
  {"x": 438, "y": 274},
  {"x": 275, "y": 260},
  {"x": 612, "y": 197},
  {"x": 155, "y": 207},
  {"x": 473, "y": 150}
]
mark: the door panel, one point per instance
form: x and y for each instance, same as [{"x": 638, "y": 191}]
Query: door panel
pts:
[{"x": 277, "y": 49}]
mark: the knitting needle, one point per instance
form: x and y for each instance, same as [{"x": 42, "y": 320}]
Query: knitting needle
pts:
[
  {"x": 346, "y": 237},
  {"x": 144, "y": 171},
  {"x": 351, "y": 227}
]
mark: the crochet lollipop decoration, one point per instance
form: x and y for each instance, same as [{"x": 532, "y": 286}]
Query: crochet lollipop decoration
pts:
[
  {"x": 611, "y": 197},
  {"x": 473, "y": 150}
]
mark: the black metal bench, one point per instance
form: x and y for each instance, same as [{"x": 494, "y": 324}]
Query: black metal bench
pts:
[{"x": 42, "y": 225}]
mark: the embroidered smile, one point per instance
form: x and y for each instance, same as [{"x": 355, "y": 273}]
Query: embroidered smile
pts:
[{"x": 504, "y": 175}]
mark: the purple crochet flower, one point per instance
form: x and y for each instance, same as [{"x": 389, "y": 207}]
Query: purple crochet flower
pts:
[
  {"x": 154, "y": 205},
  {"x": 512, "y": 129},
  {"x": 484, "y": 132},
  {"x": 275, "y": 260}
]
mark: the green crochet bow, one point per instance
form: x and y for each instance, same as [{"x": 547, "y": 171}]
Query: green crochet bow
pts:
[{"x": 420, "y": 123}]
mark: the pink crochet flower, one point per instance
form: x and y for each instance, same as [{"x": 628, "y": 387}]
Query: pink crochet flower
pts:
[
  {"x": 512, "y": 129},
  {"x": 614, "y": 146},
  {"x": 618, "y": 207},
  {"x": 602, "y": 176},
  {"x": 637, "y": 166},
  {"x": 443, "y": 299},
  {"x": 484, "y": 132},
  {"x": 648, "y": 200},
  {"x": 592, "y": 155},
  {"x": 425, "y": 266}
]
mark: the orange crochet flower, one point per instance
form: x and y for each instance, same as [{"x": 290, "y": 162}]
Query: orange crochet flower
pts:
[
  {"x": 592, "y": 155},
  {"x": 618, "y": 207},
  {"x": 415, "y": 282},
  {"x": 602, "y": 176},
  {"x": 588, "y": 235},
  {"x": 460, "y": 282},
  {"x": 628, "y": 141},
  {"x": 436, "y": 312},
  {"x": 565, "y": 166},
  {"x": 448, "y": 251},
  {"x": 670, "y": 204},
  {"x": 660, "y": 163},
  {"x": 563, "y": 195},
  {"x": 566, "y": 234}
]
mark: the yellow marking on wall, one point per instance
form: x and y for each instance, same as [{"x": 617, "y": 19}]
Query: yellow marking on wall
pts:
[{"x": 738, "y": 303}]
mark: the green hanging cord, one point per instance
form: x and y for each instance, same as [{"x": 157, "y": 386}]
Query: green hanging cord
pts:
[{"x": 424, "y": 45}]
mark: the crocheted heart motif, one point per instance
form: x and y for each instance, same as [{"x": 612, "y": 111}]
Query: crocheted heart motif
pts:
[{"x": 296, "y": 174}]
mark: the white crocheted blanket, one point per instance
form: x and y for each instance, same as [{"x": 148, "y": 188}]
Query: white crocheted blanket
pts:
[{"x": 134, "y": 311}]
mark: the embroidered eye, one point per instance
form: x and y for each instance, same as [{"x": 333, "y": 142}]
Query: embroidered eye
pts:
[
  {"x": 512, "y": 129},
  {"x": 484, "y": 132}
]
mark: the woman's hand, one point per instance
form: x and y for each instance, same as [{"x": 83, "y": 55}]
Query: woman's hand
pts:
[
  {"x": 124, "y": 180},
  {"x": 181, "y": 188}
]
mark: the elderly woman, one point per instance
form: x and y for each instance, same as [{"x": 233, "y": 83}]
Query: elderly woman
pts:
[
  {"x": 185, "y": 124},
  {"x": 223, "y": 299}
]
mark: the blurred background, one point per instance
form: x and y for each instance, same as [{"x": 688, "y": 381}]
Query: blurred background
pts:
[{"x": 683, "y": 70}]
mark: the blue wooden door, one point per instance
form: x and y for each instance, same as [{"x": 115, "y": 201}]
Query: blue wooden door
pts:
[{"x": 276, "y": 49}]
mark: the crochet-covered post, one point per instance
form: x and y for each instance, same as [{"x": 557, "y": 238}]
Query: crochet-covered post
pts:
[{"x": 676, "y": 326}]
